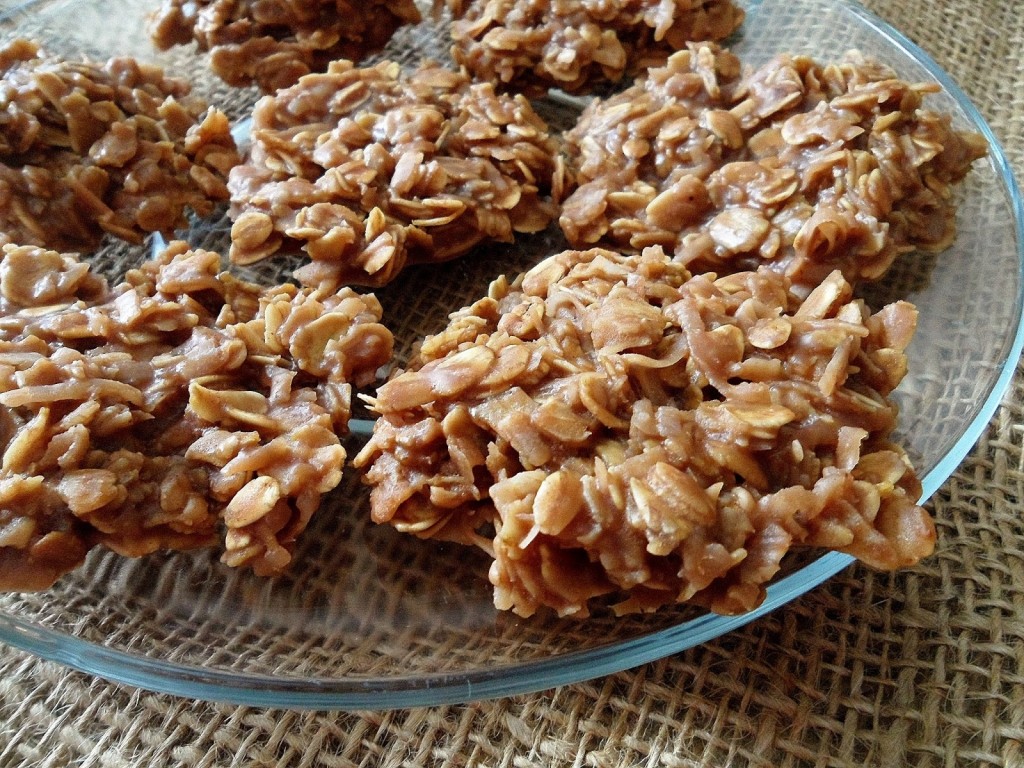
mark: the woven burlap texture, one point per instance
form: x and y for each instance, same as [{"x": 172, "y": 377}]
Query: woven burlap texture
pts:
[{"x": 924, "y": 668}]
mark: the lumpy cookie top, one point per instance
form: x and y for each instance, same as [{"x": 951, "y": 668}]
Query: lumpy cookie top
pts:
[
  {"x": 611, "y": 425},
  {"x": 802, "y": 167},
  {"x": 275, "y": 42},
  {"x": 368, "y": 169},
  {"x": 88, "y": 148},
  {"x": 180, "y": 407},
  {"x": 533, "y": 45}
]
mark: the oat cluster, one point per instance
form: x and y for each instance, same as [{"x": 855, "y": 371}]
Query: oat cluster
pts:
[
  {"x": 533, "y": 45},
  {"x": 612, "y": 425},
  {"x": 369, "y": 169},
  {"x": 181, "y": 406},
  {"x": 801, "y": 167},
  {"x": 273, "y": 43},
  {"x": 89, "y": 148}
]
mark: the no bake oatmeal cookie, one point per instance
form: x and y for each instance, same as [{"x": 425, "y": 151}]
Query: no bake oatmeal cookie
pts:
[
  {"x": 370, "y": 169},
  {"x": 533, "y": 45},
  {"x": 273, "y": 43},
  {"x": 179, "y": 408},
  {"x": 802, "y": 167},
  {"x": 611, "y": 425},
  {"x": 89, "y": 148}
]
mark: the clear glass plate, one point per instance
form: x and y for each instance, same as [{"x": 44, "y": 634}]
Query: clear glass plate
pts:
[{"x": 369, "y": 618}]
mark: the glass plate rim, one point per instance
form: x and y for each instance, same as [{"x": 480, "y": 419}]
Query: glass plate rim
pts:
[{"x": 379, "y": 693}]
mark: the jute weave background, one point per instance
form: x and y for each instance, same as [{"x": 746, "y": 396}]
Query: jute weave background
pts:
[{"x": 923, "y": 668}]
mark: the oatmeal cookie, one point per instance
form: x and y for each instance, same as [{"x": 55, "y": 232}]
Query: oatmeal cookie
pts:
[
  {"x": 800, "y": 167},
  {"x": 89, "y": 148},
  {"x": 369, "y": 169},
  {"x": 533, "y": 45},
  {"x": 611, "y": 425},
  {"x": 273, "y": 43},
  {"x": 179, "y": 408}
]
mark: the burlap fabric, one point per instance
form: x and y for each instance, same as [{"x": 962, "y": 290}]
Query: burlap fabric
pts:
[{"x": 922, "y": 668}]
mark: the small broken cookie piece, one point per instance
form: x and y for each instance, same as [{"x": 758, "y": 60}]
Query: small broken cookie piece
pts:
[
  {"x": 372, "y": 169},
  {"x": 804, "y": 168},
  {"x": 611, "y": 425},
  {"x": 178, "y": 404},
  {"x": 275, "y": 42},
  {"x": 91, "y": 148},
  {"x": 533, "y": 45}
]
